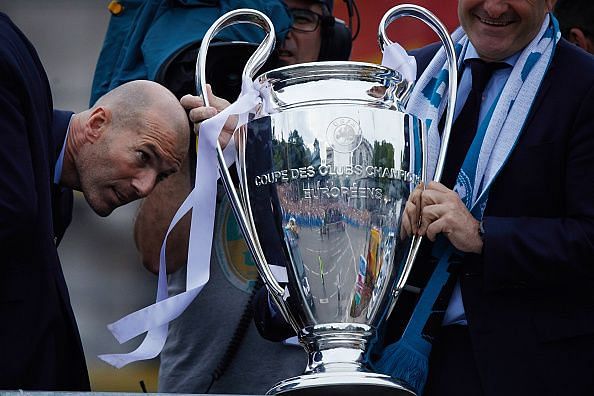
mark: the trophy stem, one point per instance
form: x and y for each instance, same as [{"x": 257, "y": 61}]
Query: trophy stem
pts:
[
  {"x": 336, "y": 365},
  {"x": 336, "y": 347}
]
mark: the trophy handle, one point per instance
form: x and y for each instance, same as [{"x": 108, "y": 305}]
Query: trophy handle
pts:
[
  {"x": 258, "y": 58},
  {"x": 431, "y": 20}
]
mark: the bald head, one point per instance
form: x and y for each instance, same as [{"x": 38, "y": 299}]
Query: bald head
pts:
[
  {"x": 133, "y": 137},
  {"x": 130, "y": 103}
]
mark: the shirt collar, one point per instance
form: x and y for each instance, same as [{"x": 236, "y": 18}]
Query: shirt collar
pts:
[
  {"x": 60, "y": 160},
  {"x": 472, "y": 54}
]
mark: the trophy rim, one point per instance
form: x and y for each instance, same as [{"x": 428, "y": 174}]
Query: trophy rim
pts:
[
  {"x": 330, "y": 67},
  {"x": 346, "y": 83}
]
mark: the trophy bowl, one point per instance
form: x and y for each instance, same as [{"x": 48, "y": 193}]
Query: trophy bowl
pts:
[{"x": 326, "y": 165}]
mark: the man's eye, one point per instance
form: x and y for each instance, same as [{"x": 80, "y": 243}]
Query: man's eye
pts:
[
  {"x": 142, "y": 156},
  {"x": 302, "y": 19},
  {"x": 303, "y": 16}
]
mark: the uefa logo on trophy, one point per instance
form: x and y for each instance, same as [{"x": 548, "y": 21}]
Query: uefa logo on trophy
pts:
[
  {"x": 326, "y": 165},
  {"x": 344, "y": 135}
]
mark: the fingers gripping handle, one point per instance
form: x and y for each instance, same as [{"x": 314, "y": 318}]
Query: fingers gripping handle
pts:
[{"x": 411, "y": 10}]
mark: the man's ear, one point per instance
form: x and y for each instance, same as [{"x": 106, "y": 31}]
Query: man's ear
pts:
[
  {"x": 577, "y": 36},
  {"x": 99, "y": 119}
]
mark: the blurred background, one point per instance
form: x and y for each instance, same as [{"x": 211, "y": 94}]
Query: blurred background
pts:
[{"x": 103, "y": 271}]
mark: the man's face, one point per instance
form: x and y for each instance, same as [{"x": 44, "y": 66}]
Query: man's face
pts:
[
  {"x": 299, "y": 46},
  {"x": 124, "y": 165},
  {"x": 500, "y": 28}
]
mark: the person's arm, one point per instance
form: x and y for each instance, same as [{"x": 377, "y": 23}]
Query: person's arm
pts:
[
  {"x": 157, "y": 210},
  {"x": 18, "y": 195}
]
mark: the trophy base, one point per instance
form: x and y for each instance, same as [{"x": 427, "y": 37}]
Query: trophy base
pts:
[{"x": 341, "y": 384}]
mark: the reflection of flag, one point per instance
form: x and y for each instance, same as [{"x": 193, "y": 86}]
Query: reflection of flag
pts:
[
  {"x": 361, "y": 274},
  {"x": 361, "y": 295},
  {"x": 374, "y": 239},
  {"x": 360, "y": 280},
  {"x": 362, "y": 265}
]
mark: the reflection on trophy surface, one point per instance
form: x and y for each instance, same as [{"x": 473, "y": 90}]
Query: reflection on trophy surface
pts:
[
  {"x": 325, "y": 189},
  {"x": 326, "y": 168}
]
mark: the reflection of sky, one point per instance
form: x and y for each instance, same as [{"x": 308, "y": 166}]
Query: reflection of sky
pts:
[{"x": 376, "y": 125}]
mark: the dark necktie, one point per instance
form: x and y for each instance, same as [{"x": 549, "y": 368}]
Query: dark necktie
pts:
[{"x": 466, "y": 124}]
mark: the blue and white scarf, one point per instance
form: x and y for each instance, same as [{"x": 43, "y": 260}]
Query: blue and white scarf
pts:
[{"x": 496, "y": 136}]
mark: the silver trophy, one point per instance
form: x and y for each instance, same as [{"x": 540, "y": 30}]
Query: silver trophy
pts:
[{"x": 326, "y": 166}]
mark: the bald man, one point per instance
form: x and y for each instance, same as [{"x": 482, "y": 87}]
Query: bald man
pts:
[
  {"x": 114, "y": 153},
  {"x": 137, "y": 134}
]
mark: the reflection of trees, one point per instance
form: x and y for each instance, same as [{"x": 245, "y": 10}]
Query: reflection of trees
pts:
[
  {"x": 291, "y": 153},
  {"x": 383, "y": 154},
  {"x": 279, "y": 160},
  {"x": 298, "y": 155}
]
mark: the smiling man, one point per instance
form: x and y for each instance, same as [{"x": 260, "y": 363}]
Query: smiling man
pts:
[
  {"x": 499, "y": 29},
  {"x": 114, "y": 153},
  {"x": 513, "y": 217}
]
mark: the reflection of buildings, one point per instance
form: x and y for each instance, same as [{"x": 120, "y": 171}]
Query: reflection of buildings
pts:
[
  {"x": 315, "y": 156},
  {"x": 362, "y": 156},
  {"x": 322, "y": 178}
]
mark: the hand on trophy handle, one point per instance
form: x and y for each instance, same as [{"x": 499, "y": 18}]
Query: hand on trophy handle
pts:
[
  {"x": 199, "y": 112},
  {"x": 411, "y": 217},
  {"x": 444, "y": 212}
]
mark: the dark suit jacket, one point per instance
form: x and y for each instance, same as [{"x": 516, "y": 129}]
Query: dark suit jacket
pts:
[
  {"x": 529, "y": 296},
  {"x": 40, "y": 346}
]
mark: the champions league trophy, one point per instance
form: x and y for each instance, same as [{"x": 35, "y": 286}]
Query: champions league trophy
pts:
[{"x": 326, "y": 166}]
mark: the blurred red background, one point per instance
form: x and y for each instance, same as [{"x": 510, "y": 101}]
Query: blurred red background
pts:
[{"x": 408, "y": 32}]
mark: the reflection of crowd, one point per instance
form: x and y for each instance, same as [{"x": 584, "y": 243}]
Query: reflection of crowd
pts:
[{"x": 309, "y": 213}]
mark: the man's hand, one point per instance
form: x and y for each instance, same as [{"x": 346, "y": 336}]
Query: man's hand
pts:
[
  {"x": 442, "y": 211},
  {"x": 199, "y": 113},
  {"x": 412, "y": 212}
]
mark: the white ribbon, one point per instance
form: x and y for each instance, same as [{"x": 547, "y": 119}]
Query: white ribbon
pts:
[
  {"x": 396, "y": 58},
  {"x": 202, "y": 200}
]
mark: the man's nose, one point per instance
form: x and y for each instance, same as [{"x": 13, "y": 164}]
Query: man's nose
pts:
[
  {"x": 290, "y": 34},
  {"x": 144, "y": 183},
  {"x": 495, "y": 8}
]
